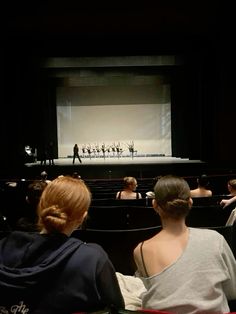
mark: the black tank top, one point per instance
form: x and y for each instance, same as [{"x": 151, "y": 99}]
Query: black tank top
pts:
[{"x": 119, "y": 195}]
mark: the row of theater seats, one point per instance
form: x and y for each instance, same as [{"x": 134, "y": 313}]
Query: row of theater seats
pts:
[
  {"x": 127, "y": 214},
  {"x": 146, "y": 201},
  {"x": 109, "y": 213},
  {"x": 212, "y": 200},
  {"x": 121, "y": 217},
  {"x": 107, "y": 188}
]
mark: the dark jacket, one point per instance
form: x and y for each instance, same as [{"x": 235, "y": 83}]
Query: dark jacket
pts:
[{"x": 55, "y": 274}]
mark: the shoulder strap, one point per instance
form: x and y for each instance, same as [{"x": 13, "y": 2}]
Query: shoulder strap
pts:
[
  {"x": 141, "y": 252},
  {"x": 119, "y": 195}
]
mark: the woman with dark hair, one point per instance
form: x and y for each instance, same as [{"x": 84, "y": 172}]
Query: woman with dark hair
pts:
[
  {"x": 184, "y": 270},
  {"x": 50, "y": 271},
  {"x": 28, "y": 221},
  {"x": 202, "y": 189}
]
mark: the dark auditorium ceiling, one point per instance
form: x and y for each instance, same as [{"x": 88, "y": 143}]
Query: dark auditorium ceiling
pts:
[
  {"x": 169, "y": 22},
  {"x": 165, "y": 16}
]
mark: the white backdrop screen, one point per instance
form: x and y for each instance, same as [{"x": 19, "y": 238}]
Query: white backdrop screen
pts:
[{"x": 147, "y": 125}]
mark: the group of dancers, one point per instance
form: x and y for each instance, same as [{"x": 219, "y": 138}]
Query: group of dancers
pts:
[{"x": 103, "y": 150}]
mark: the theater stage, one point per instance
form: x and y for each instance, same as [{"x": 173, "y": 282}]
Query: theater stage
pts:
[
  {"x": 114, "y": 167},
  {"x": 116, "y": 160}
]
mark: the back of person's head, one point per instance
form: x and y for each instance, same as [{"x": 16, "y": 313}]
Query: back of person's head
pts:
[
  {"x": 43, "y": 175},
  {"x": 128, "y": 181},
  {"x": 203, "y": 181},
  {"x": 34, "y": 191},
  {"x": 232, "y": 184},
  {"x": 64, "y": 202},
  {"x": 172, "y": 195},
  {"x": 76, "y": 175}
]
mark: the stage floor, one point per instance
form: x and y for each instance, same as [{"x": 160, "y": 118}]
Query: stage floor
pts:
[
  {"x": 117, "y": 161},
  {"x": 114, "y": 167}
]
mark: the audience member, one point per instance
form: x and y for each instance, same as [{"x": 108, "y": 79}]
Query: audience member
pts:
[
  {"x": 44, "y": 177},
  {"x": 231, "y": 185},
  {"x": 202, "y": 189},
  {"x": 231, "y": 201},
  {"x": 51, "y": 271},
  {"x": 227, "y": 202},
  {"x": 4, "y": 226},
  {"x": 43, "y": 154},
  {"x": 29, "y": 220},
  {"x": 129, "y": 189},
  {"x": 76, "y": 175},
  {"x": 185, "y": 270}
]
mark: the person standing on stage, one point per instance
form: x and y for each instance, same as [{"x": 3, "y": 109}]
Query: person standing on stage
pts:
[
  {"x": 76, "y": 153},
  {"x": 51, "y": 153},
  {"x": 103, "y": 151}
]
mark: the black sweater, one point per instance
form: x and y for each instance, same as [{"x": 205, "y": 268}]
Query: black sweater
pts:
[{"x": 55, "y": 274}]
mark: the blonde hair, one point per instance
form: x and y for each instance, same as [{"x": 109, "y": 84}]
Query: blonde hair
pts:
[
  {"x": 128, "y": 181},
  {"x": 64, "y": 200},
  {"x": 232, "y": 183},
  {"x": 172, "y": 194}
]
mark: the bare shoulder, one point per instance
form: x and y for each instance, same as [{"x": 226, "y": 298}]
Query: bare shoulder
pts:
[
  {"x": 145, "y": 258},
  {"x": 117, "y": 194},
  {"x": 136, "y": 250},
  {"x": 154, "y": 241},
  {"x": 194, "y": 192},
  {"x": 209, "y": 192},
  {"x": 149, "y": 243}
]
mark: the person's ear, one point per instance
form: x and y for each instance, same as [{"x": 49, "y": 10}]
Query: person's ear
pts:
[
  {"x": 84, "y": 215},
  {"x": 190, "y": 201},
  {"x": 155, "y": 206},
  {"x": 79, "y": 221},
  {"x": 154, "y": 203}
]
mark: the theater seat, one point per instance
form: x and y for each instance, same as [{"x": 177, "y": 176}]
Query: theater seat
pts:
[{"x": 119, "y": 244}]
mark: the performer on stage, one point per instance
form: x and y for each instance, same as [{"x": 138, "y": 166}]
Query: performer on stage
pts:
[
  {"x": 97, "y": 149},
  {"x": 113, "y": 148},
  {"x": 119, "y": 150},
  {"x": 108, "y": 151},
  {"x": 83, "y": 150},
  {"x": 89, "y": 150},
  {"x": 103, "y": 151},
  {"x": 76, "y": 153},
  {"x": 131, "y": 149}
]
